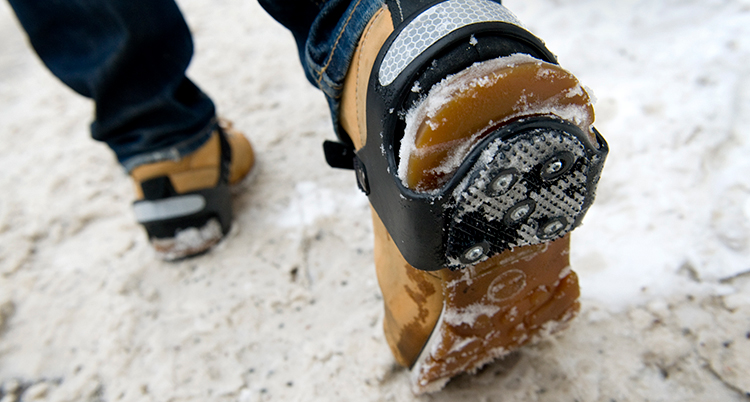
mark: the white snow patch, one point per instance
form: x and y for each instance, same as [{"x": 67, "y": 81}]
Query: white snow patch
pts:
[
  {"x": 310, "y": 202},
  {"x": 188, "y": 241},
  {"x": 469, "y": 314}
]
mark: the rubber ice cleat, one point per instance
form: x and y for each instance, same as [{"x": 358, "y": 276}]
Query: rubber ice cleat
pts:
[
  {"x": 478, "y": 155},
  {"x": 525, "y": 128},
  {"x": 490, "y": 102},
  {"x": 185, "y": 206}
]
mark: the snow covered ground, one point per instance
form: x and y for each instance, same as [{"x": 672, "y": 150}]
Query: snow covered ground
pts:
[{"x": 288, "y": 308}]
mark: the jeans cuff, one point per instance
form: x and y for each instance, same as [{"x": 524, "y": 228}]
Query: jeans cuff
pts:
[{"x": 174, "y": 152}]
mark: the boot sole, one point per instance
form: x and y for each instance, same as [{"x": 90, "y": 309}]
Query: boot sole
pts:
[
  {"x": 489, "y": 310},
  {"x": 186, "y": 225},
  {"x": 523, "y": 191},
  {"x": 527, "y": 189}
]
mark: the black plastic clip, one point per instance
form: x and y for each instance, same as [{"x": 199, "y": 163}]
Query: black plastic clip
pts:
[{"x": 339, "y": 155}]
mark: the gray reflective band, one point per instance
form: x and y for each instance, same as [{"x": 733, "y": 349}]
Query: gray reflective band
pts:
[
  {"x": 173, "y": 207},
  {"x": 433, "y": 24}
]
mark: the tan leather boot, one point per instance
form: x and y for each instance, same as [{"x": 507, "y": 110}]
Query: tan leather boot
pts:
[
  {"x": 506, "y": 137},
  {"x": 185, "y": 205}
]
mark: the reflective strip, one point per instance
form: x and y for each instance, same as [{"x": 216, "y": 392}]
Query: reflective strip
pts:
[
  {"x": 168, "y": 208},
  {"x": 433, "y": 24}
]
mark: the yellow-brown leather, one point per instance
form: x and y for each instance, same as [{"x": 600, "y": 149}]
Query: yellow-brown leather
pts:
[
  {"x": 413, "y": 299},
  {"x": 520, "y": 292},
  {"x": 496, "y": 97},
  {"x": 200, "y": 169},
  {"x": 354, "y": 96},
  {"x": 243, "y": 157}
]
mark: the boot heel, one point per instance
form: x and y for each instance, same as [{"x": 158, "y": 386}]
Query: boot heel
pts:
[
  {"x": 495, "y": 307},
  {"x": 186, "y": 224}
]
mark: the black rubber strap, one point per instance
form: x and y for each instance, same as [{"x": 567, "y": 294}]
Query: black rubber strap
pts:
[
  {"x": 339, "y": 155},
  {"x": 416, "y": 221},
  {"x": 402, "y": 9},
  {"x": 217, "y": 199}
]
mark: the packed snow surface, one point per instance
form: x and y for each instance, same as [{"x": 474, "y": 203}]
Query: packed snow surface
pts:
[{"x": 287, "y": 308}]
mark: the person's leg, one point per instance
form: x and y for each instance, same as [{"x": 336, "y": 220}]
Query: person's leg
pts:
[
  {"x": 478, "y": 155},
  {"x": 130, "y": 57},
  {"x": 327, "y": 34}
]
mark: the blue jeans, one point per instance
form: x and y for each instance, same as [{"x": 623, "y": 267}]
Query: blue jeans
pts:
[{"x": 130, "y": 57}]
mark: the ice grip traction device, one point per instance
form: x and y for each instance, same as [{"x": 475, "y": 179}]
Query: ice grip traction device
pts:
[
  {"x": 163, "y": 212},
  {"x": 527, "y": 182}
]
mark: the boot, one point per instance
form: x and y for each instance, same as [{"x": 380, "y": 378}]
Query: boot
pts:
[
  {"x": 478, "y": 155},
  {"x": 185, "y": 206}
]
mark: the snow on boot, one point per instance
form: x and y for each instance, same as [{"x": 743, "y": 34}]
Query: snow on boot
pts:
[
  {"x": 478, "y": 155},
  {"x": 185, "y": 206}
]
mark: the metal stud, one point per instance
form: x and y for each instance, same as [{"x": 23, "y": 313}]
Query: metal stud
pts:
[
  {"x": 552, "y": 228},
  {"x": 361, "y": 174},
  {"x": 556, "y": 166},
  {"x": 475, "y": 253},
  {"x": 503, "y": 182},
  {"x": 520, "y": 212}
]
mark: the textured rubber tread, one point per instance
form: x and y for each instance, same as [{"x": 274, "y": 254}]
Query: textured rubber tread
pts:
[{"x": 553, "y": 176}]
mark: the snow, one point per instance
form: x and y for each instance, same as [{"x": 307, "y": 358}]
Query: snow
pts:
[
  {"x": 469, "y": 314},
  {"x": 288, "y": 307},
  {"x": 188, "y": 239}
]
